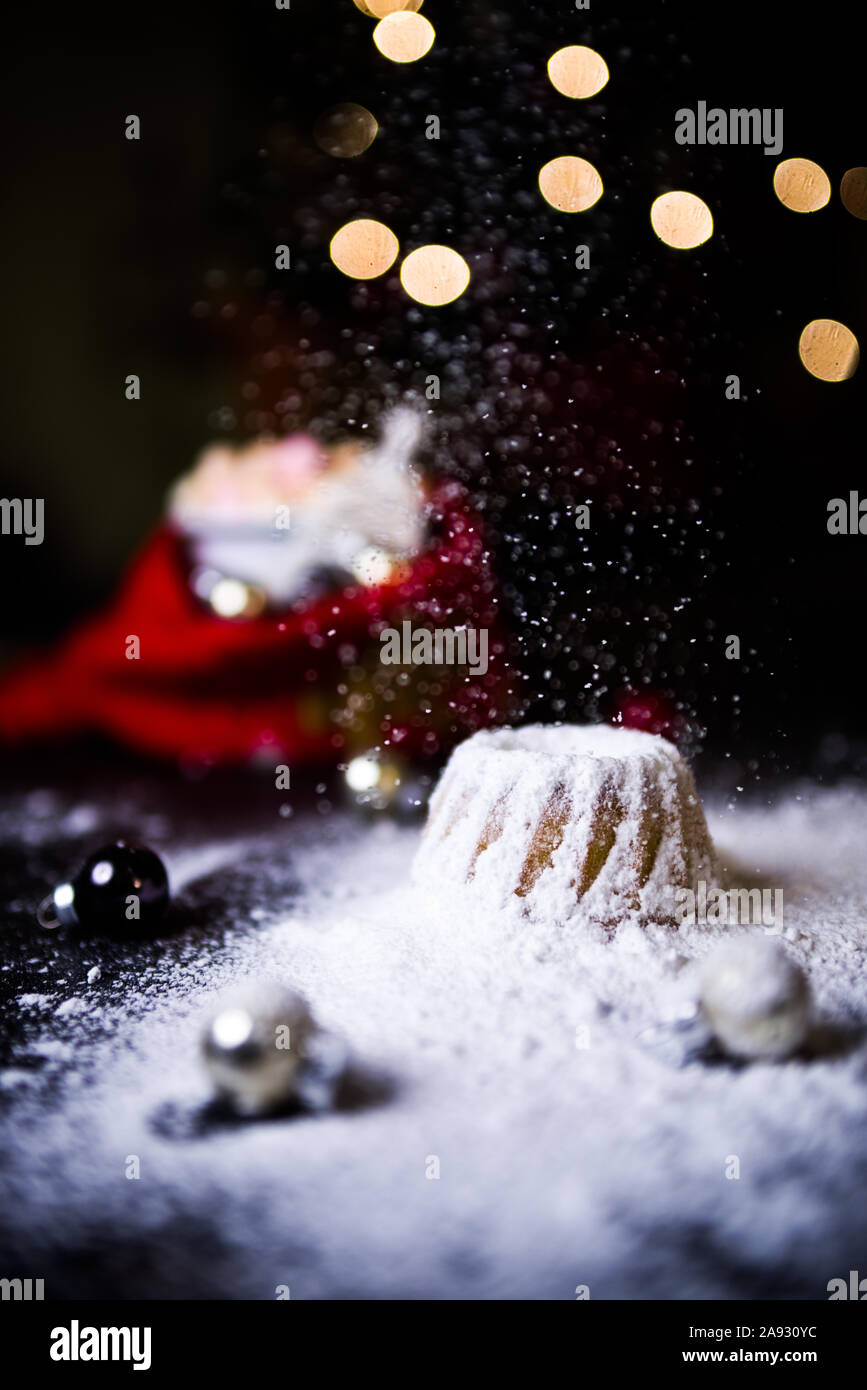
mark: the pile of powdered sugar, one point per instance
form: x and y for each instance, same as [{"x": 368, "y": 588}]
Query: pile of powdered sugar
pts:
[{"x": 517, "y": 1131}]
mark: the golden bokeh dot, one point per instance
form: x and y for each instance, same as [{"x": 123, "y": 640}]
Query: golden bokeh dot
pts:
[
  {"x": 434, "y": 275},
  {"x": 801, "y": 185},
  {"x": 360, "y": 5},
  {"x": 577, "y": 71},
  {"x": 382, "y": 8},
  {"x": 404, "y": 37},
  {"x": 364, "y": 249},
  {"x": 853, "y": 191},
  {"x": 681, "y": 220},
  {"x": 346, "y": 130},
  {"x": 829, "y": 350},
  {"x": 570, "y": 184}
]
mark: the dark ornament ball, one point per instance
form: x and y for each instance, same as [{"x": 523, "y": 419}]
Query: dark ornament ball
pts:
[{"x": 121, "y": 887}]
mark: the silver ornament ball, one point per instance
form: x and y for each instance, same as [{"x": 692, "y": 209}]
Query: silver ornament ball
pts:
[
  {"x": 255, "y": 1045},
  {"x": 755, "y": 998}
]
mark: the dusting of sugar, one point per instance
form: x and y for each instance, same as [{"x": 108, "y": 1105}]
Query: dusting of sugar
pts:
[
  {"x": 69, "y": 1007},
  {"x": 34, "y": 1001},
  {"x": 569, "y": 1152}
]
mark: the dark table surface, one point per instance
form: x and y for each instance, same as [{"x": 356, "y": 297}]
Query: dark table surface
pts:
[{"x": 559, "y": 1167}]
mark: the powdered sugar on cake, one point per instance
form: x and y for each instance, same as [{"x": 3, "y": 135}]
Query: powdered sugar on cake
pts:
[{"x": 549, "y": 824}]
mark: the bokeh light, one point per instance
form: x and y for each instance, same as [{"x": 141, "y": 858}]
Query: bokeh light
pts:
[
  {"x": 853, "y": 192},
  {"x": 434, "y": 275},
  {"x": 380, "y": 9},
  {"x": 373, "y": 565},
  {"x": 404, "y": 37},
  {"x": 577, "y": 71},
  {"x": 346, "y": 130},
  {"x": 801, "y": 185},
  {"x": 232, "y": 598},
  {"x": 362, "y": 773},
  {"x": 829, "y": 350},
  {"x": 364, "y": 249},
  {"x": 570, "y": 184},
  {"x": 681, "y": 220}
]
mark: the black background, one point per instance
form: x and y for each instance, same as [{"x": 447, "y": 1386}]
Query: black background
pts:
[{"x": 709, "y": 516}]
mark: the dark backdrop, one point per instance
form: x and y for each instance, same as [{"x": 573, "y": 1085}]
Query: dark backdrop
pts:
[{"x": 559, "y": 386}]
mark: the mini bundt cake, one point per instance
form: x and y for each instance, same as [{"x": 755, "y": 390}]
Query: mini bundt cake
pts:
[{"x": 550, "y": 820}]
